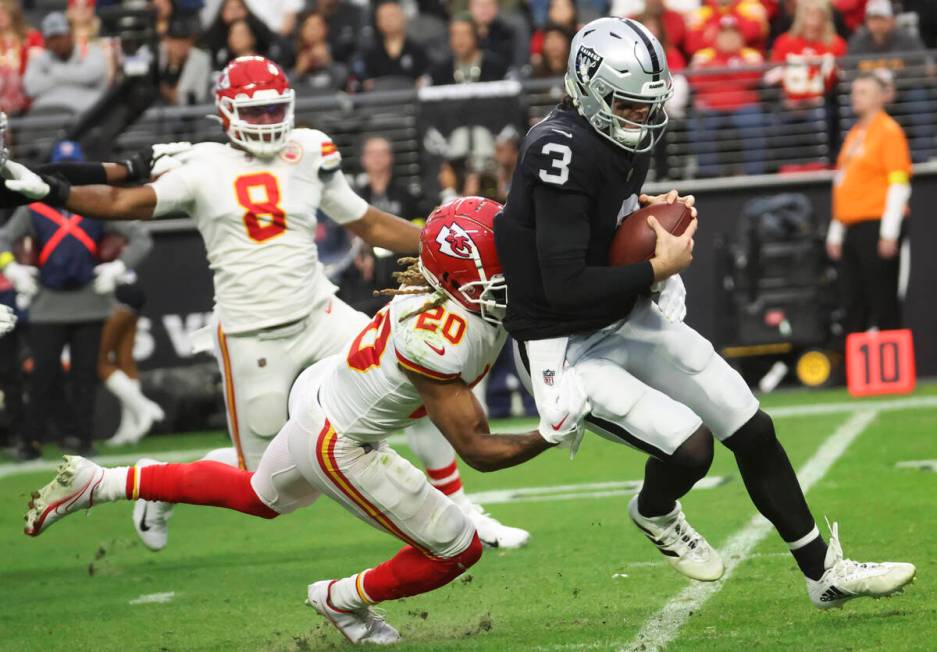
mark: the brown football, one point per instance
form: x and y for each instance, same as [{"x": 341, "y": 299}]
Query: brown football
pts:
[{"x": 634, "y": 240}]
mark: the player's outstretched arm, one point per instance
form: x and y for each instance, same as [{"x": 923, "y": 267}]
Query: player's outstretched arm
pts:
[
  {"x": 455, "y": 411},
  {"x": 380, "y": 229},
  {"x": 97, "y": 201},
  {"x": 111, "y": 203}
]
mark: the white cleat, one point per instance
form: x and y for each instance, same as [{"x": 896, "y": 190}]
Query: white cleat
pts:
[
  {"x": 491, "y": 531},
  {"x": 149, "y": 520},
  {"x": 845, "y": 579},
  {"x": 359, "y": 626},
  {"x": 685, "y": 548},
  {"x": 72, "y": 489}
]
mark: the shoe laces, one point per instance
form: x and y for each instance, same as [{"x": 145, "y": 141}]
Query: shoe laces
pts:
[
  {"x": 681, "y": 534},
  {"x": 846, "y": 569}
]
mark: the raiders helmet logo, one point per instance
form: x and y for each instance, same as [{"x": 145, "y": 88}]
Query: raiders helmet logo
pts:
[
  {"x": 455, "y": 241},
  {"x": 587, "y": 63}
]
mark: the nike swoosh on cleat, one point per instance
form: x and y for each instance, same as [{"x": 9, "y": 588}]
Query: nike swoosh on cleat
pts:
[{"x": 143, "y": 526}]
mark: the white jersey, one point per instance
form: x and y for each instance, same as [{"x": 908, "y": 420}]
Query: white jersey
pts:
[
  {"x": 367, "y": 396},
  {"x": 258, "y": 220}
]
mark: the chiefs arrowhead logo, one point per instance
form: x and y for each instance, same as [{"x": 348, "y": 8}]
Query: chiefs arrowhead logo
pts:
[{"x": 455, "y": 241}]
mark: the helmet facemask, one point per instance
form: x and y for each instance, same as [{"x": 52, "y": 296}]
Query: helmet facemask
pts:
[
  {"x": 602, "y": 106},
  {"x": 486, "y": 296},
  {"x": 260, "y": 124}
]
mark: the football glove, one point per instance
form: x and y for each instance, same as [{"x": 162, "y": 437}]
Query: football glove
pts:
[
  {"x": 153, "y": 161},
  {"x": 108, "y": 275},
  {"x": 24, "y": 278},
  {"x": 671, "y": 298},
  {"x": 52, "y": 189}
]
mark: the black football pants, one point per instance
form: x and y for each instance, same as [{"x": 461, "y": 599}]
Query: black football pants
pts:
[
  {"x": 74, "y": 409},
  {"x": 869, "y": 282}
]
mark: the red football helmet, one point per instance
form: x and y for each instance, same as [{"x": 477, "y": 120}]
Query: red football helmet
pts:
[
  {"x": 255, "y": 102},
  {"x": 458, "y": 256}
]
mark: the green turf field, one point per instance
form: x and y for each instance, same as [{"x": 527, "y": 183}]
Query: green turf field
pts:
[{"x": 587, "y": 581}]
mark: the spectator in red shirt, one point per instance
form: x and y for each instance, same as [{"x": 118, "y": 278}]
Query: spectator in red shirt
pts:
[
  {"x": 808, "y": 52},
  {"x": 17, "y": 40},
  {"x": 728, "y": 99},
  {"x": 703, "y": 24}
]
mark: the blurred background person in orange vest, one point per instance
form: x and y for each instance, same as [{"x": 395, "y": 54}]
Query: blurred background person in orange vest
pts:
[{"x": 871, "y": 190}]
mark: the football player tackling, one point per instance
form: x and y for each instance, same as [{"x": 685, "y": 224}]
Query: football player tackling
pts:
[
  {"x": 254, "y": 201},
  {"x": 420, "y": 354},
  {"x": 653, "y": 382}
]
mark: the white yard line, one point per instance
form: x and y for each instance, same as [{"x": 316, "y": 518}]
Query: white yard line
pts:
[
  {"x": 664, "y": 626},
  {"x": 909, "y": 403},
  {"x": 154, "y": 598},
  {"x": 575, "y": 491}
]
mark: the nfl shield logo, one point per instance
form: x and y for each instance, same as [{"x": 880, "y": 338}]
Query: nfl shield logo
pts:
[{"x": 548, "y": 376}]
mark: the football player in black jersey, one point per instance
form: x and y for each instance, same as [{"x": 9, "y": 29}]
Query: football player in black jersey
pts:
[{"x": 652, "y": 381}]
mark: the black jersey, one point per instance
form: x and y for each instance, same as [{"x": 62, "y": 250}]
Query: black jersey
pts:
[{"x": 570, "y": 191}]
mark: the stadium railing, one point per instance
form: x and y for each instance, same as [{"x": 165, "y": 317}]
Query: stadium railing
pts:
[{"x": 794, "y": 138}]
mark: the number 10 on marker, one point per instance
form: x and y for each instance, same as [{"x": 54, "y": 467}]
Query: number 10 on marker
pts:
[{"x": 880, "y": 363}]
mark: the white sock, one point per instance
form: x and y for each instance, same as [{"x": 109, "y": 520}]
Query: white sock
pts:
[
  {"x": 126, "y": 390},
  {"x": 113, "y": 485},
  {"x": 345, "y": 595}
]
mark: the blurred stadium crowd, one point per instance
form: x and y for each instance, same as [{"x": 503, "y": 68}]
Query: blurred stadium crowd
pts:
[{"x": 755, "y": 71}]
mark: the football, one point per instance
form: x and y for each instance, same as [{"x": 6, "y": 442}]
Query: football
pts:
[{"x": 634, "y": 240}]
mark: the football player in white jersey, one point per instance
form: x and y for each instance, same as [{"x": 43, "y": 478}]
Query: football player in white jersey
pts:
[
  {"x": 420, "y": 353},
  {"x": 254, "y": 202}
]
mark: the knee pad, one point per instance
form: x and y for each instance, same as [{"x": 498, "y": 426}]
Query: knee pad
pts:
[
  {"x": 266, "y": 413},
  {"x": 757, "y": 433},
  {"x": 696, "y": 452}
]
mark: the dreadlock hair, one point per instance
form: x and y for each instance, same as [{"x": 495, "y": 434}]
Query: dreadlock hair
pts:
[{"x": 412, "y": 282}]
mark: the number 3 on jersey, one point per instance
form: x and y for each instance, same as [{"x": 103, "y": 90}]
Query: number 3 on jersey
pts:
[
  {"x": 259, "y": 196},
  {"x": 560, "y": 164}
]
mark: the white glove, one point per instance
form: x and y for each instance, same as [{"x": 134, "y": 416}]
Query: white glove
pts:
[
  {"x": 163, "y": 157},
  {"x": 21, "y": 179},
  {"x": 23, "y": 277},
  {"x": 568, "y": 404},
  {"x": 7, "y": 320},
  {"x": 671, "y": 298},
  {"x": 108, "y": 275}
]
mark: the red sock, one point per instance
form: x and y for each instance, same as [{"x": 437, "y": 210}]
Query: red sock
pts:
[
  {"x": 198, "y": 483},
  {"x": 410, "y": 572},
  {"x": 446, "y": 479}
]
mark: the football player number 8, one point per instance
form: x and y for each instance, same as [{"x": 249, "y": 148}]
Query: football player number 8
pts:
[
  {"x": 259, "y": 196},
  {"x": 561, "y": 164}
]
